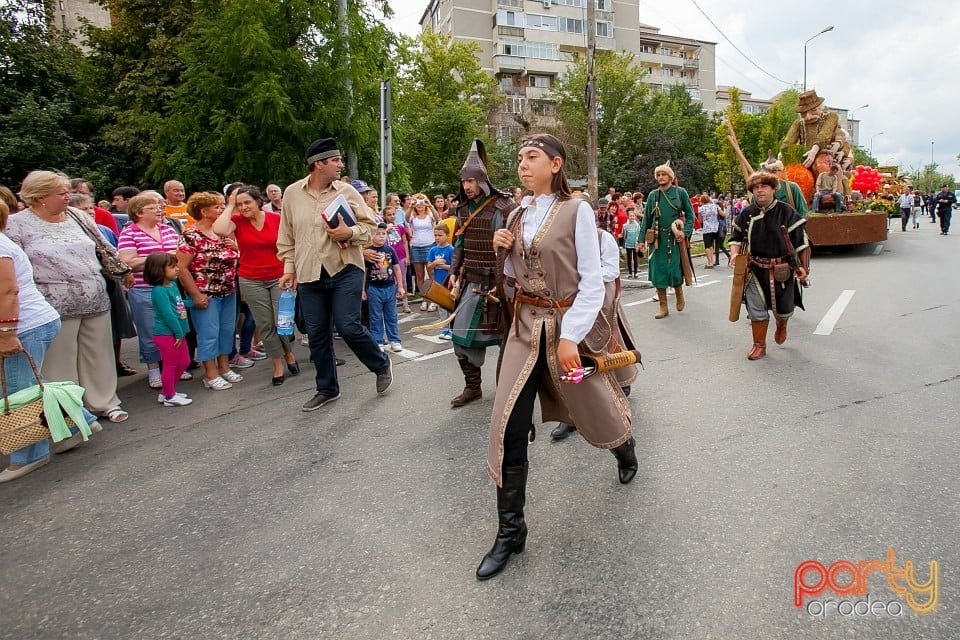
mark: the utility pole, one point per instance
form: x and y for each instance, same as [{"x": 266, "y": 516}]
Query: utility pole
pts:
[
  {"x": 386, "y": 137},
  {"x": 591, "y": 98},
  {"x": 348, "y": 89}
]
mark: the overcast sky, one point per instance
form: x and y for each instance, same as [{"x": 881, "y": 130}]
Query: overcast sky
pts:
[{"x": 900, "y": 58}]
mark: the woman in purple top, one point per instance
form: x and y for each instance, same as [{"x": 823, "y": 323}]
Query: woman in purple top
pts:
[{"x": 145, "y": 235}]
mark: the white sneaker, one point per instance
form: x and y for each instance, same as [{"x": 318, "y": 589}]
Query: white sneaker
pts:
[
  {"x": 154, "y": 380},
  {"x": 176, "y": 401},
  {"x": 423, "y": 306},
  {"x": 432, "y": 306},
  {"x": 162, "y": 398},
  {"x": 396, "y": 347},
  {"x": 305, "y": 341}
]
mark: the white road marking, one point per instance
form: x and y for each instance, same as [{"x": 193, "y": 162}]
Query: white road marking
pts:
[
  {"x": 705, "y": 283},
  {"x": 407, "y": 317},
  {"x": 878, "y": 250},
  {"x": 829, "y": 321},
  {"x": 433, "y": 339},
  {"x": 406, "y": 353},
  {"x": 431, "y": 356}
]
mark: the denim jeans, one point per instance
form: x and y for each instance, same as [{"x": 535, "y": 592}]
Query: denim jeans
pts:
[
  {"x": 837, "y": 200},
  {"x": 382, "y": 303},
  {"x": 141, "y": 305},
  {"x": 335, "y": 301},
  {"x": 247, "y": 328},
  {"x": 215, "y": 326}
]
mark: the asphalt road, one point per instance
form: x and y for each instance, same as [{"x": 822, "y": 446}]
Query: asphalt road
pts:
[{"x": 242, "y": 517}]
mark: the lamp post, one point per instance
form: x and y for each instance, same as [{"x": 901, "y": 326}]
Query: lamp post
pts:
[
  {"x": 830, "y": 28},
  {"x": 931, "y": 153},
  {"x": 853, "y": 111},
  {"x": 878, "y": 133}
]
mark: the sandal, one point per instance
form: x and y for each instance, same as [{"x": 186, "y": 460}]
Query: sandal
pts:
[
  {"x": 231, "y": 376},
  {"x": 217, "y": 384},
  {"x": 124, "y": 370},
  {"x": 116, "y": 414}
]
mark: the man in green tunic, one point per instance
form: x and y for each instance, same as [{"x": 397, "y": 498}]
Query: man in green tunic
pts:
[{"x": 668, "y": 207}]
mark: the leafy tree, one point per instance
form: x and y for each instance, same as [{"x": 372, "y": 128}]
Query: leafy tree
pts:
[
  {"x": 440, "y": 106},
  {"x": 621, "y": 97},
  {"x": 676, "y": 129},
  {"x": 774, "y": 125},
  {"x": 726, "y": 166},
  {"x": 42, "y": 95}
]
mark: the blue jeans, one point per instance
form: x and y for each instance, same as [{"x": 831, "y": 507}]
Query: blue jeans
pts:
[
  {"x": 382, "y": 305},
  {"x": 837, "y": 200},
  {"x": 215, "y": 326},
  {"x": 247, "y": 328},
  {"x": 335, "y": 301},
  {"x": 141, "y": 305}
]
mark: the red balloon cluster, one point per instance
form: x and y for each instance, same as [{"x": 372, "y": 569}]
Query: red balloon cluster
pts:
[{"x": 865, "y": 179}]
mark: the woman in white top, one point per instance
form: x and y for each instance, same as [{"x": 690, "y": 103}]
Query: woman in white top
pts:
[
  {"x": 27, "y": 323},
  {"x": 423, "y": 218},
  {"x": 553, "y": 265}
]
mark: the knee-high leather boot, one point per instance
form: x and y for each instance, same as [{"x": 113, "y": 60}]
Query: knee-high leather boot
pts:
[
  {"x": 627, "y": 464},
  {"x": 780, "y": 335},
  {"x": 681, "y": 303},
  {"x": 472, "y": 390},
  {"x": 512, "y": 531},
  {"x": 759, "y": 348},
  {"x": 664, "y": 310}
]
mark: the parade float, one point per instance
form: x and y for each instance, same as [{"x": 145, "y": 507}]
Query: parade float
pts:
[{"x": 815, "y": 142}]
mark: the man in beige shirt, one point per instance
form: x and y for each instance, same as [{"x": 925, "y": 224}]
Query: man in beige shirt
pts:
[
  {"x": 328, "y": 278},
  {"x": 829, "y": 182}
]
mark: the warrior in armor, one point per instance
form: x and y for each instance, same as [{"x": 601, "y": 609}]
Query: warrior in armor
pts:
[{"x": 481, "y": 317}]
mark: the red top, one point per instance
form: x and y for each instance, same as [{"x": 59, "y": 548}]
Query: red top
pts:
[
  {"x": 104, "y": 217},
  {"x": 258, "y": 249},
  {"x": 621, "y": 220}
]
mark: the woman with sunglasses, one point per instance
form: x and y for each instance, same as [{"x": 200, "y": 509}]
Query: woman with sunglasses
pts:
[
  {"x": 552, "y": 264},
  {"x": 423, "y": 218}
]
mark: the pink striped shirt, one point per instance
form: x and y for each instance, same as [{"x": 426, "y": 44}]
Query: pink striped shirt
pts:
[{"x": 133, "y": 237}]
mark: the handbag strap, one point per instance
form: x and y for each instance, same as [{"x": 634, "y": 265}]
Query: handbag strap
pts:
[
  {"x": 3, "y": 378},
  {"x": 95, "y": 236}
]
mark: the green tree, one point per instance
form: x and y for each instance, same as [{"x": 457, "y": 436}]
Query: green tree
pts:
[
  {"x": 726, "y": 166},
  {"x": 774, "y": 126},
  {"x": 42, "y": 95},
  {"x": 441, "y": 104},
  {"x": 862, "y": 156},
  {"x": 621, "y": 98}
]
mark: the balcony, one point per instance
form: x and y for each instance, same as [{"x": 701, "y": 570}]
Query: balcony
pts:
[
  {"x": 510, "y": 32},
  {"x": 662, "y": 60},
  {"x": 507, "y": 63}
]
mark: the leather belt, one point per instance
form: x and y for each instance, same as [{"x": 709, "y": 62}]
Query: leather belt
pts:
[
  {"x": 476, "y": 278},
  {"x": 523, "y": 297}
]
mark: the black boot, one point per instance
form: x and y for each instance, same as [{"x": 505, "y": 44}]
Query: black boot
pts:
[
  {"x": 562, "y": 431},
  {"x": 472, "y": 388},
  {"x": 627, "y": 464},
  {"x": 512, "y": 532}
]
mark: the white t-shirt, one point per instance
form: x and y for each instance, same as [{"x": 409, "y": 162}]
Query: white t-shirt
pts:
[{"x": 35, "y": 311}]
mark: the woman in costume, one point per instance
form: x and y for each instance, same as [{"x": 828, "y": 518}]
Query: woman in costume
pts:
[{"x": 553, "y": 266}]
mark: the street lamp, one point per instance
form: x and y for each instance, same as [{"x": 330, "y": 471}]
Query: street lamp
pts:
[
  {"x": 830, "y": 28},
  {"x": 931, "y": 153},
  {"x": 879, "y": 133},
  {"x": 853, "y": 111}
]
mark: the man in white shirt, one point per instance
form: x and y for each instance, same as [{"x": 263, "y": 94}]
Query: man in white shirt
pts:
[
  {"x": 829, "y": 182},
  {"x": 905, "y": 202}
]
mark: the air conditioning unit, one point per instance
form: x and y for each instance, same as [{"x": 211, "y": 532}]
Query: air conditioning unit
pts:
[{"x": 547, "y": 4}]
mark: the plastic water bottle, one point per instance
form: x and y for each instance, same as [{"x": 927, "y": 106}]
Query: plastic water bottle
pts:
[{"x": 285, "y": 312}]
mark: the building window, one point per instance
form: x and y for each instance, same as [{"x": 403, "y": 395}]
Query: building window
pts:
[
  {"x": 546, "y": 23},
  {"x": 63, "y": 20},
  {"x": 645, "y": 48},
  {"x": 515, "y": 105},
  {"x": 511, "y": 47},
  {"x": 694, "y": 93},
  {"x": 540, "y": 82},
  {"x": 604, "y": 30},
  {"x": 603, "y": 5},
  {"x": 571, "y": 3},
  {"x": 571, "y": 25},
  {"x": 529, "y": 49},
  {"x": 506, "y": 82},
  {"x": 509, "y": 18},
  {"x": 666, "y": 73}
]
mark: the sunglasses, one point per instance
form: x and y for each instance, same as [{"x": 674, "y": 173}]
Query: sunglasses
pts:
[{"x": 419, "y": 202}]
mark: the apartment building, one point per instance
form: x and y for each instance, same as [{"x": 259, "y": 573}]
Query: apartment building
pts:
[
  {"x": 527, "y": 44},
  {"x": 71, "y": 14}
]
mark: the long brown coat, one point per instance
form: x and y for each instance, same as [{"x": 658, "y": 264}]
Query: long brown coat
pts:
[{"x": 597, "y": 405}]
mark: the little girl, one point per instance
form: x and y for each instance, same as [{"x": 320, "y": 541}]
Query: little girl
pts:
[{"x": 170, "y": 325}]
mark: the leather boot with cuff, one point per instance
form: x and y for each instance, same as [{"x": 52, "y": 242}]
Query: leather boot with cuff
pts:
[
  {"x": 512, "y": 530},
  {"x": 759, "y": 348},
  {"x": 472, "y": 390}
]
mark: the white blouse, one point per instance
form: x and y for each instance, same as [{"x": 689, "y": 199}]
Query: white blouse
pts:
[{"x": 579, "y": 318}]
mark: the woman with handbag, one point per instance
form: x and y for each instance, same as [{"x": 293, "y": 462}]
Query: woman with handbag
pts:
[
  {"x": 552, "y": 263},
  {"x": 69, "y": 272},
  {"x": 145, "y": 234}
]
